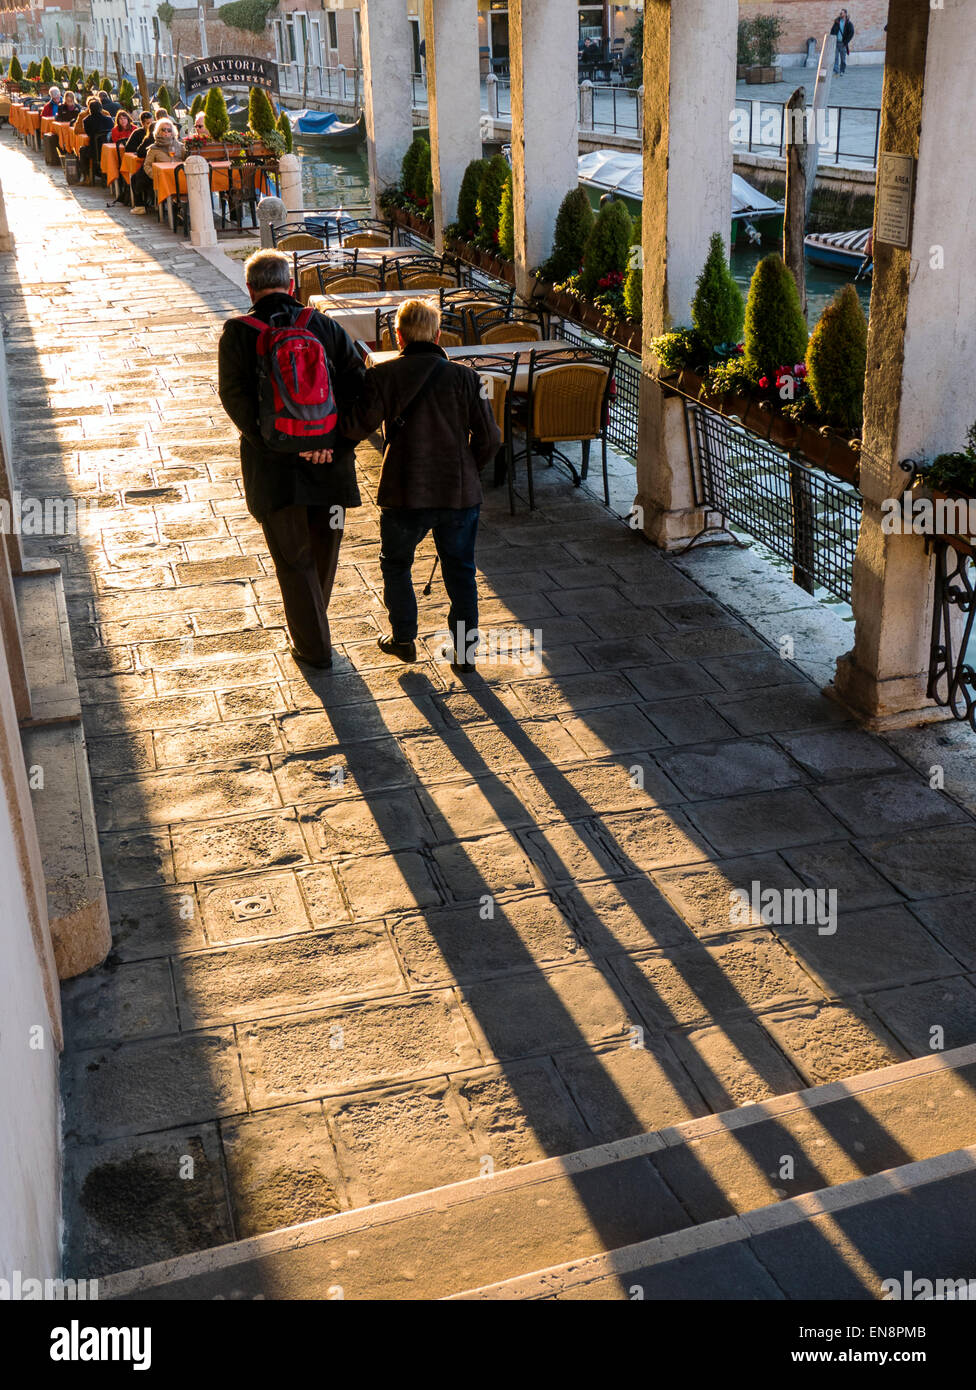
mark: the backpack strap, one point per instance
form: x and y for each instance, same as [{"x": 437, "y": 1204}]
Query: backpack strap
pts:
[
  {"x": 252, "y": 322},
  {"x": 304, "y": 318}
]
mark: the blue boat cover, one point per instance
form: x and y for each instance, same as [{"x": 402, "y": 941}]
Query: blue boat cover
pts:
[{"x": 312, "y": 122}]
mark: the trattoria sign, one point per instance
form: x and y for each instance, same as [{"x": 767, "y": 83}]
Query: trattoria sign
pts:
[{"x": 228, "y": 71}]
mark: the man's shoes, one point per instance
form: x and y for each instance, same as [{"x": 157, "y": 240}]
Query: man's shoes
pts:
[
  {"x": 307, "y": 660},
  {"x": 463, "y": 668},
  {"x": 403, "y": 651},
  {"x": 138, "y": 211}
]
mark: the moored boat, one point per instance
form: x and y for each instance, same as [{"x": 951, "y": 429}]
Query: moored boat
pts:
[{"x": 851, "y": 251}]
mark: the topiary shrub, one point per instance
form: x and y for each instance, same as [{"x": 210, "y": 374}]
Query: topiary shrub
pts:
[
  {"x": 717, "y": 310},
  {"x": 93, "y": 82},
  {"x": 197, "y": 105},
  {"x": 76, "y": 77},
  {"x": 467, "y": 206},
  {"x": 47, "y": 71},
  {"x": 215, "y": 110},
  {"x": 775, "y": 329},
  {"x": 127, "y": 95},
  {"x": 634, "y": 292},
  {"x": 607, "y": 252},
  {"x": 164, "y": 99},
  {"x": 837, "y": 358},
  {"x": 766, "y": 30},
  {"x": 743, "y": 51},
  {"x": 490, "y": 201},
  {"x": 260, "y": 112},
  {"x": 33, "y": 72},
  {"x": 408, "y": 165},
  {"x": 283, "y": 127},
  {"x": 15, "y": 72},
  {"x": 574, "y": 223},
  {"x": 506, "y": 220},
  {"x": 422, "y": 189}
]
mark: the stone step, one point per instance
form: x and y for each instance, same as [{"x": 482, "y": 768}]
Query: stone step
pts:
[
  {"x": 907, "y": 1233},
  {"x": 46, "y": 638},
  {"x": 477, "y": 1234}
]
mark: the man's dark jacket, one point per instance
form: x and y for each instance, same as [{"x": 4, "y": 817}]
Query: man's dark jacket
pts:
[
  {"x": 844, "y": 30},
  {"x": 448, "y": 433},
  {"x": 273, "y": 480},
  {"x": 97, "y": 123}
]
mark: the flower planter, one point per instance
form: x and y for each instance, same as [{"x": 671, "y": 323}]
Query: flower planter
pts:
[{"x": 762, "y": 76}]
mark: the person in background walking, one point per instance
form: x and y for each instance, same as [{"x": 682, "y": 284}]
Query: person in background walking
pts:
[
  {"x": 439, "y": 433},
  {"x": 300, "y": 499},
  {"x": 843, "y": 30}
]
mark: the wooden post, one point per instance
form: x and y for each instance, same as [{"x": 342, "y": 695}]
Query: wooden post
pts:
[
  {"x": 305, "y": 77},
  {"x": 156, "y": 63},
  {"x": 143, "y": 88},
  {"x": 795, "y": 221},
  {"x": 119, "y": 71},
  {"x": 105, "y": 58},
  {"x": 176, "y": 67},
  {"x": 79, "y": 53}
]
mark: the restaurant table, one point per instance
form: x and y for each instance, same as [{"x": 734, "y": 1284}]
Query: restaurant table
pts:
[
  {"x": 47, "y": 124},
  {"x": 356, "y": 312},
  {"x": 490, "y": 350},
  {"x": 130, "y": 163},
  {"x": 109, "y": 162}
]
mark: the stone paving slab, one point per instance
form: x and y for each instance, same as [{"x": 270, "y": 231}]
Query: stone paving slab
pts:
[{"x": 378, "y": 927}]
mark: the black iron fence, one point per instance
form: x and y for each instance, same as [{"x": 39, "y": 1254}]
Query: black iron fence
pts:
[
  {"x": 842, "y": 132},
  {"x": 801, "y": 514},
  {"x": 952, "y": 678},
  {"x": 625, "y": 400}
]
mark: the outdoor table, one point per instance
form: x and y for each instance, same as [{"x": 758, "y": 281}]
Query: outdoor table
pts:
[
  {"x": 109, "y": 162},
  {"x": 63, "y": 131},
  {"x": 130, "y": 163},
  {"x": 47, "y": 124},
  {"x": 356, "y": 312},
  {"x": 490, "y": 350}
]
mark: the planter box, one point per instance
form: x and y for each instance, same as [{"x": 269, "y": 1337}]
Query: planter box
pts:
[{"x": 758, "y": 76}]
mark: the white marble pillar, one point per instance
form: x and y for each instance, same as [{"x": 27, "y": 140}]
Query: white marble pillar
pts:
[
  {"x": 543, "y": 47},
  {"x": 689, "y": 96},
  {"x": 454, "y": 101},
  {"x": 290, "y": 183},
  {"x": 919, "y": 400},
  {"x": 387, "y": 46},
  {"x": 202, "y": 230}
]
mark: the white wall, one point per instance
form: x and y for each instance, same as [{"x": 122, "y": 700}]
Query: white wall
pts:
[{"x": 30, "y": 1127}]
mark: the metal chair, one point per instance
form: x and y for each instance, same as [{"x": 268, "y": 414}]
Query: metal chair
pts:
[
  {"x": 308, "y": 270},
  {"x": 180, "y": 202},
  {"x": 568, "y": 400},
  {"x": 347, "y": 284},
  {"x": 240, "y": 194},
  {"x": 498, "y": 378},
  {"x": 498, "y": 325},
  {"x": 367, "y": 238}
]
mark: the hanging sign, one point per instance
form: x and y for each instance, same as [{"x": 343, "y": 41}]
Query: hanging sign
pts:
[
  {"x": 228, "y": 71},
  {"x": 896, "y": 185}
]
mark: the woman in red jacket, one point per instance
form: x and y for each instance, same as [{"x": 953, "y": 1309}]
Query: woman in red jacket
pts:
[{"x": 123, "y": 129}]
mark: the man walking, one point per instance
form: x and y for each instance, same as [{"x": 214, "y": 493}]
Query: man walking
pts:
[
  {"x": 843, "y": 29},
  {"x": 300, "y": 499},
  {"x": 439, "y": 433}
]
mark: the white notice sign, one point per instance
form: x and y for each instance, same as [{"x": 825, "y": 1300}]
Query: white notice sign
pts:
[{"x": 896, "y": 181}]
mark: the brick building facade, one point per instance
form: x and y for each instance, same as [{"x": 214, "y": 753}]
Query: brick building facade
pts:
[{"x": 806, "y": 19}]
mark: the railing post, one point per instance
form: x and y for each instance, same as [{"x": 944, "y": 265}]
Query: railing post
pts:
[
  {"x": 491, "y": 86},
  {"x": 586, "y": 104},
  {"x": 640, "y": 111},
  {"x": 342, "y": 81},
  {"x": 290, "y": 171},
  {"x": 202, "y": 230}
]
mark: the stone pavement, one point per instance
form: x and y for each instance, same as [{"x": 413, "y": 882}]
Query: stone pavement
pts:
[{"x": 383, "y": 929}]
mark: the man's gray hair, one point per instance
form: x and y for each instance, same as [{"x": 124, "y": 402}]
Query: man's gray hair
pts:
[
  {"x": 54, "y": 92},
  {"x": 268, "y": 270}
]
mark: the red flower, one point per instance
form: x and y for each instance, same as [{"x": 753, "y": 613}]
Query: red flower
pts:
[{"x": 763, "y": 382}]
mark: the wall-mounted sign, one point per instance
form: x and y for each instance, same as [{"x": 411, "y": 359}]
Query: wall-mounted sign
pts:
[
  {"x": 228, "y": 71},
  {"x": 896, "y": 185}
]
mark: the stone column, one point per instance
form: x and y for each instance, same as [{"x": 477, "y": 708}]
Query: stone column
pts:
[
  {"x": 6, "y": 240},
  {"x": 491, "y": 86},
  {"x": 918, "y": 399},
  {"x": 271, "y": 213},
  {"x": 689, "y": 96},
  {"x": 387, "y": 46},
  {"x": 586, "y": 104},
  {"x": 543, "y": 45},
  {"x": 453, "y": 99},
  {"x": 290, "y": 183},
  {"x": 202, "y": 230}
]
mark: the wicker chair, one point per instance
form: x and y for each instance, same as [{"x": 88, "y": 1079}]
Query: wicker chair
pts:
[
  {"x": 366, "y": 239},
  {"x": 568, "y": 400},
  {"x": 496, "y": 324},
  {"x": 425, "y": 280},
  {"x": 348, "y": 284},
  {"x": 300, "y": 241}
]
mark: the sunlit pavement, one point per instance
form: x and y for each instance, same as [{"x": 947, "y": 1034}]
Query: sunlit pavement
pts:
[{"x": 376, "y": 928}]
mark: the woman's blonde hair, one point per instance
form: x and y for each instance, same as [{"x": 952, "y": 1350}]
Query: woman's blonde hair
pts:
[{"x": 418, "y": 321}]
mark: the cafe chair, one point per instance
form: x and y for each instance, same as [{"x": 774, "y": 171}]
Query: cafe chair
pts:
[
  {"x": 498, "y": 379},
  {"x": 347, "y": 284},
  {"x": 568, "y": 401},
  {"x": 366, "y": 239},
  {"x": 498, "y": 325},
  {"x": 241, "y": 193},
  {"x": 299, "y": 241}
]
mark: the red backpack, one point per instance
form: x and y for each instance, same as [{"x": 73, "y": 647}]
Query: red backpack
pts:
[{"x": 296, "y": 403}]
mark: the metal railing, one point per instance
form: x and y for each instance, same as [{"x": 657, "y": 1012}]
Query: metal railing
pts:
[
  {"x": 610, "y": 108},
  {"x": 803, "y": 515},
  {"x": 851, "y": 133},
  {"x": 952, "y": 677},
  {"x": 625, "y": 399}
]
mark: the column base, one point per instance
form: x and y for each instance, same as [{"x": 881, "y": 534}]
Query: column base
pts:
[
  {"x": 673, "y": 529},
  {"x": 898, "y": 703}
]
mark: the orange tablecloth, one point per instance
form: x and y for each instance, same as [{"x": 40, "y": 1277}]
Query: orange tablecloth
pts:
[
  {"x": 47, "y": 124},
  {"x": 109, "y": 162},
  {"x": 130, "y": 163},
  {"x": 164, "y": 179},
  {"x": 62, "y": 129}
]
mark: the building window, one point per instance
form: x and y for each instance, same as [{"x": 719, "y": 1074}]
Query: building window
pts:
[{"x": 333, "y": 29}]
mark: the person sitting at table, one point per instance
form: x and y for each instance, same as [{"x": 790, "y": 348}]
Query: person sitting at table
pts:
[
  {"x": 123, "y": 129},
  {"x": 200, "y": 131},
  {"x": 107, "y": 104},
  {"x": 53, "y": 104},
  {"x": 97, "y": 125},
  {"x": 69, "y": 107},
  {"x": 165, "y": 149},
  {"x": 141, "y": 137}
]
